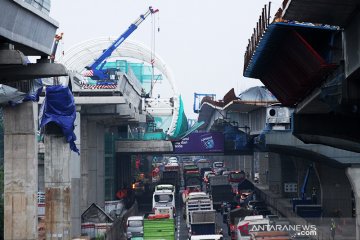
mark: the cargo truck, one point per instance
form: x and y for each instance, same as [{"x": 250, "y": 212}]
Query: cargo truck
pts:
[
  {"x": 202, "y": 222},
  {"x": 159, "y": 227},
  {"x": 201, "y": 204},
  {"x": 171, "y": 176},
  {"x": 220, "y": 190}
]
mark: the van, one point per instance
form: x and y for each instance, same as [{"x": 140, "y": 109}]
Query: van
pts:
[{"x": 135, "y": 227}]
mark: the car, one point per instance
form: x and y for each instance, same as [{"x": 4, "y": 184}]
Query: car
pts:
[
  {"x": 173, "y": 160},
  {"x": 135, "y": 227}
]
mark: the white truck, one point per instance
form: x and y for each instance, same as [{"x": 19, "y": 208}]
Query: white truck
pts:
[
  {"x": 202, "y": 203},
  {"x": 164, "y": 203}
]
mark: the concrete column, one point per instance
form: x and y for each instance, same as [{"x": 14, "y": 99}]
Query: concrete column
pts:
[
  {"x": 92, "y": 170},
  {"x": 84, "y": 165},
  {"x": 75, "y": 181},
  {"x": 100, "y": 161},
  {"x": 274, "y": 173},
  {"x": 262, "y": 166},
  {"x": 248, "y": 164},
  {"x": 354, "y": 177},
  {"x": 21, "y": 172},
  {"x": 57, "y": 187},
  {"x": 335, "y": 191}
]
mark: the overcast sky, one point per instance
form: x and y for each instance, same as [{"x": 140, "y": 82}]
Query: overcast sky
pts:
[{"x": 202, "y": 41}]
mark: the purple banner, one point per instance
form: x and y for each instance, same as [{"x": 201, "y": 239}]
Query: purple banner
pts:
[{"x": 212, "y": 142}]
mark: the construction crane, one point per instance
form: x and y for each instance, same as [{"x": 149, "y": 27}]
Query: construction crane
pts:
[{"x": 95, "y": 70}]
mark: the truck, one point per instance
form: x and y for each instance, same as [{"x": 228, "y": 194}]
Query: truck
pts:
[
  {"x": 202, "y": 222},
  {"x": 220, "y": 190},
  {"x": 159, "y": 227},
  {"x": 171, "y": 175},
  {"x": 202, "y": 203},
  {"x": 203, "y": 165},
  {"x": 191, "y": 175}
]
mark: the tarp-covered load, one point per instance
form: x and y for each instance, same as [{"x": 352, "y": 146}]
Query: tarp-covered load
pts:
[{"x": 59, "y": 108}]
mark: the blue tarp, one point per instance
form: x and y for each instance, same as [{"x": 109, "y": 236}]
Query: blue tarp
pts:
[
  {"x": 35, "y": 91},
  {"x": 59, "y": 107},
  {"x": 13, "y": 97}
]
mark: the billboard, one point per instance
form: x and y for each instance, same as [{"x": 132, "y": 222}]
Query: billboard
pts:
[{"x": 202, "y": 142}]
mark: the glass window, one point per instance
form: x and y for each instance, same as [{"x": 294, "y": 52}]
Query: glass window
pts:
[
  {"x": 135, "y": 223},
  {"x": 163, "y": 198}
]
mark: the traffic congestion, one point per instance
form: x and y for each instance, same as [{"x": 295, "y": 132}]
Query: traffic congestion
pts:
[{"x": 201, "y": 199}]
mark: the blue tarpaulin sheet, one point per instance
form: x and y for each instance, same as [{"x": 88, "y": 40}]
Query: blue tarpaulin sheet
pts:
[{"x": 59, "y": 107}]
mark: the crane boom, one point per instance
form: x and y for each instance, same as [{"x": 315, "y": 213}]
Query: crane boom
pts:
[{"x": 98, "y": 64}]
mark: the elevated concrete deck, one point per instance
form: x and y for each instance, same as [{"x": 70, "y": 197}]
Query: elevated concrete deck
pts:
[
  {"x": 19, "y": 18},
  {"x": 283, "y": 208},
  {"x": 331, "y": 12},
  {"x": 285, "y": 142}
]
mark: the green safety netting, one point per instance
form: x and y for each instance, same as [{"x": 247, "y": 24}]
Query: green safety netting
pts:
[
  {"x": 142, "y": 72},
  {"x": 182, "y": 123}
]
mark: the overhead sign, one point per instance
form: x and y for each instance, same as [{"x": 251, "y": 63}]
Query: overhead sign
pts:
[{"x": 212, "y": 142}]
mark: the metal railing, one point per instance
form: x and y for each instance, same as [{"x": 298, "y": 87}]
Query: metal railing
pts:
[{"x": 261, "y": 26}]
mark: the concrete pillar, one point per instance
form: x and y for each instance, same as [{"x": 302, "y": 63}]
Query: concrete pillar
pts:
[
  {"x": 75, "y": 181},
  {"x": 84, "y": 165},
  {"x": 57, "y": 187},
  {"x": 261, "y": 165},
  {"x": 247, "y": 164},
  {"x": 335, "y": 191},
  {"x": 274, "y": 173},
  {"x": 100, "y": 161},
  {"x": 92, "y": 164},
  {"x": 354, "y": 177},
  {"x": 21, "y": 172}
]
